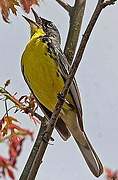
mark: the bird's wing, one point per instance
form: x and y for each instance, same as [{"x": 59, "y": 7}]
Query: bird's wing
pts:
[{"x": 64, "y": 69}]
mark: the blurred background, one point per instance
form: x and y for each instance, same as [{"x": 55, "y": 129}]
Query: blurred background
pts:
[{"x": 97, "y": 78}]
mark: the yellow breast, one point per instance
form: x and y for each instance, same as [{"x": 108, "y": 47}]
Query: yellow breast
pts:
[{"x": 41, "y": 73}]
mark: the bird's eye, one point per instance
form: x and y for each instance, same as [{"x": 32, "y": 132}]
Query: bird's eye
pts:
[{"x": 49, "y": 25}]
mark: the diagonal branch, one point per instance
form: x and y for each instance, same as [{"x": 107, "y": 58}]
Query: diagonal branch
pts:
[
  {"x": 76, "y": 17},
  {"x": 65, "y": 5},
  {"x": 27, "y": 170},
  {"x": 51, "y": 124}
]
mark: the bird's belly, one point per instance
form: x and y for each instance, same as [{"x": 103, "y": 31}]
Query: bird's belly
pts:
[{"x": 42, "y": 76}]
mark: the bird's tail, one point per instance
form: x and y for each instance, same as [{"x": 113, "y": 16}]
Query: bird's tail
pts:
[
  {"x": 90, "y": 157},
  {"x": 89, "y": 154}
]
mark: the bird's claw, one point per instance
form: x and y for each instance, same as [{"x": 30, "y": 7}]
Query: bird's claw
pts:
[
  {"x": 60, "y": 96},
  {"x": 46, "y": 140}
]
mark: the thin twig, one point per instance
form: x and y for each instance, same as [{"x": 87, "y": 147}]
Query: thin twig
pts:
[
  {"x": 6, "y": 108},
  {"x": 53, "y": 120},
  {"x": 108, "y": 2},
  {"x": 20, "y": 105},
  {"x": 76, "y": 18},
  {"x": 65, "y": 5}
]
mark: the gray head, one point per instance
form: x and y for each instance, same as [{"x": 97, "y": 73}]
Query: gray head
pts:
[{"x": 49, "y": 27}]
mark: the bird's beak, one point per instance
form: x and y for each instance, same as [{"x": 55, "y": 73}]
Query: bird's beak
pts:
[
  {"x": 37, "y": 18},
  {"x": 31, "y": 23}
]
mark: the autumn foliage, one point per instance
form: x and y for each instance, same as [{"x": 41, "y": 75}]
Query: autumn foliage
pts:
[
  {"x": 11, "y": 5},
  {"x": 11, "y": 132},
  {"x": 14, "y": 135},
  {"x": 111, "y": 175}
]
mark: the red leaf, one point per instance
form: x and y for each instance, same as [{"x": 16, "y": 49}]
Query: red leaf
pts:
[
  {"x": 27, "y": 4},
  {"x": 11, "y": 174},
  {"x": 111, "y": 175},
  {"x": 6, "y": 6}
]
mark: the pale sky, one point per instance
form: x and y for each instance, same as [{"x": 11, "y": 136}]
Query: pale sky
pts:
[{"x": 98, "y": 82}]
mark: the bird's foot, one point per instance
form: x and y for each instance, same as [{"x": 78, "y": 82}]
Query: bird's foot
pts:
[
  {"x": 46, "y": 139},
  {"x": 60, "y": 96}
]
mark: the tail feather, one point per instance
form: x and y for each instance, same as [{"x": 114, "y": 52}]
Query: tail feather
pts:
[
  {"x": 91, "y": 157},
  {"x": 71, "y": 120},
  {"x": 62, "y": 129}
]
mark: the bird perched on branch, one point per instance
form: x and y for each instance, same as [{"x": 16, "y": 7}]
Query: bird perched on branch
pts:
[{"x": 45, "y": 69}]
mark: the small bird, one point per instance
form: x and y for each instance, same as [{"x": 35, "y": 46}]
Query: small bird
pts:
[{"x": 45, "y": 69}]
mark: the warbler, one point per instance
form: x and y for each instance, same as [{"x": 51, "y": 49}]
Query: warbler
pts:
[{"x": 45, "y": 69}]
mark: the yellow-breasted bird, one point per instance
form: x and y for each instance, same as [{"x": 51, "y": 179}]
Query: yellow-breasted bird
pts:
[{"x": 45, "y": 69}]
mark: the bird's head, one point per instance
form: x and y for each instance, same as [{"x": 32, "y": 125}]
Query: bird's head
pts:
[{"x": 48, "y": 27}]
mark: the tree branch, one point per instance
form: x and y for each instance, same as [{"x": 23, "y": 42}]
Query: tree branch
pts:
[
  {"x": 51, "y": 124},
  {"x": 29, "y": 173},
  {"x": 108, "y": 2},
  {"x": 76, "y": 17},
  {"x": 65, "y": 5}
]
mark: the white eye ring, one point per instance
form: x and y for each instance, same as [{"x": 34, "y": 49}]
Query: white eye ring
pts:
[{"x": 49, "y": 25}]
